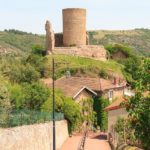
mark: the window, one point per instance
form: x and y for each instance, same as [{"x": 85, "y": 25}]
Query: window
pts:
[{"x": 110, "y": 94}]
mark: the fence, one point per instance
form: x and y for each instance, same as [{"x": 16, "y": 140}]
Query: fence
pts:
[
  {"x": 82, "y": 141},
  {"x": 25, "y": 117}
]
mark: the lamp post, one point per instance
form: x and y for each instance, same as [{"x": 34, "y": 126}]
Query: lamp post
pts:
[
  {"x": 53, "y": 76},
  {"x": 53, "y": 98}
]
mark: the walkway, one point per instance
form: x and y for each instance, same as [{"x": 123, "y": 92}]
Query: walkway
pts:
[{"x": 93, "y": 142}]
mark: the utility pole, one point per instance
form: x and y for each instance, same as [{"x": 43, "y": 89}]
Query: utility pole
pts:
[{"x": 53, "y": 76}]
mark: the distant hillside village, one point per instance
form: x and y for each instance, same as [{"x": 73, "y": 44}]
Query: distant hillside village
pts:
[{"x": 97, "y": 87}]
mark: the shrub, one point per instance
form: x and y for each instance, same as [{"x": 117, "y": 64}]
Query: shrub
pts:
[
  {"x": 35, "y": 95},
  {"x": 102, "y": 117}
]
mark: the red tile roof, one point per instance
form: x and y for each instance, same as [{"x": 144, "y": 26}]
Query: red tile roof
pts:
[
  {"x": 70, "y": 86},
  {"x": 116, "y": 104}
]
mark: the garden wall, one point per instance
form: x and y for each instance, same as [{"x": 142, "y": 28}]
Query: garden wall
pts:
[{"x": 33, "y": 137}]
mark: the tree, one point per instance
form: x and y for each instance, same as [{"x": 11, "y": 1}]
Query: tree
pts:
[
  {"x": 23, "y": 73},
  {"x": 38, "y": 63},
  {"x": 99, "y": 105},
  {"x": 139, "y": 106},
  {"x": 66, "y": 105},
  {"x": 72, "y": 112},
  {"x": 35, "y": 95}
]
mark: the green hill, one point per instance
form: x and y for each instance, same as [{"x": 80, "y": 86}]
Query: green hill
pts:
[
  {"x": 83, "y": 66},
  {"x": 18, "y": 42},
  {"x": 138, "y": 39}
]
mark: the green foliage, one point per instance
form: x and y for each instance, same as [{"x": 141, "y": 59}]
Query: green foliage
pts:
[
  {"x": 103, "y": 74},
  {"x": 125, "y": 132},
  {"x": 72, "y": 113},
  {"x": 139, "y": 115},
  {"x": 112, "y": 49},
  {"x": 131, "y": 69},
  {"x": 38, "y": 62},
  {"x": 88, "y": 114},
  {"x": 22, "y": 73},
  {"x": 35, "y": 95},
  {"x": 131, "y": 62},
  {"x": 5, "y": 104},
  {"x": 81, "y": 66},
  {"x": 66, "y": 105},
  {"x": 138, "y": 39},
  {"x": 138, "y": 106},
  {"x": 16, "y": 31},
  {"x": 102, "y": 117},
  {"x": 18, "y": 42},
  {"x": 38, "y": 50},
  {"x": 16, "y": 95},
  {"x": 143, "y": 74},
  {"x": 59, "y": 101}
]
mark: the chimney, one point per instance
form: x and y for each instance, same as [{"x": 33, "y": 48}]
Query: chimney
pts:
[{"x": 115, "y": 81}]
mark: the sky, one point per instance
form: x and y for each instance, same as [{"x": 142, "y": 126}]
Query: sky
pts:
[{"x": 31, "y": 15}]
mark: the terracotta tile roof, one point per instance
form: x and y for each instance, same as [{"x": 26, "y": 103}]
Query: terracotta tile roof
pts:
[
  {"x": 70, "y": 86},
  {"x": 116, "y": 104}
]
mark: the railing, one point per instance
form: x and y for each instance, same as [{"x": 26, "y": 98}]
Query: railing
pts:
[
  {"x": 25, "y": 117},
  {"x": 82, "y": 141}
]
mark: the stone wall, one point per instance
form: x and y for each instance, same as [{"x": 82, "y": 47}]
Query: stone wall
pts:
[
  {"x": 33, "y": 137},
  {"x": 117, "y": 93},
  {"x": 113, "y": 115},
  {"x": 83, "y": 95},
  {"x": 89, "y": 51},
  {"x": 58, "y": 40},
  {"x": 74, "y": 26}
]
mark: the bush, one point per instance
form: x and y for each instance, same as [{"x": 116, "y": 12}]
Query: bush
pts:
[
  {"x": 35, "y": 95},
  {"x": 66, "y": 105},
  {"x": 102, "y": 117},
  {"x": 38, "y": 50},
  {"x": 16, "y": 95},
  {"x": 20, "y": 73},
  {"x": 117, "y": 47}
]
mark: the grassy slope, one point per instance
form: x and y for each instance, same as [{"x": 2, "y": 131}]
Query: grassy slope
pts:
[
  {"x": 81, "y": 65},
  {"x": 20, "y": 43},
  {"x": 138, "y": 39}
]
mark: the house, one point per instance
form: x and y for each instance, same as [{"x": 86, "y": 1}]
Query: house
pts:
[
  {"x": 85, "y": 87},
  {"x": 115, "y": 111}
]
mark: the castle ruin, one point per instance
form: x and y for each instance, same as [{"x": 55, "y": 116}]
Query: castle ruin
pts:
[
  {"x": 50, "y": 38},
  {"x": 74, "y": 40},
  {"x": 74, "y": 27}
]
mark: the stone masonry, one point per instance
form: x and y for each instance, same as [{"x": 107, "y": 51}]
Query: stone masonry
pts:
[
  {"x": 89, "y": 51},
  {"x": 74, "y": 27},
  {"x": 50, "y": 38}
]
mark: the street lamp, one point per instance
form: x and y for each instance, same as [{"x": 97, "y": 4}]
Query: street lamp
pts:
[
  {"x": 53, "y": 101},
  {"x": 54, "y": 130}
]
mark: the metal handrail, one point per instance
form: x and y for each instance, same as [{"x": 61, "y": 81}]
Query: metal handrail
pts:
[{"x": 82, "y": 141}]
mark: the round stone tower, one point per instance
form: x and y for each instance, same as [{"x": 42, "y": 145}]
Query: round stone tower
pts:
[{"x": 74, "y": 27}]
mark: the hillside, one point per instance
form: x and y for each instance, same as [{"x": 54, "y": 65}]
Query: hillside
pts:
[
  {"x": 18, "y": 42},
  {"x": 138, "y": 39},
  {"x": 84, "y": 66}
]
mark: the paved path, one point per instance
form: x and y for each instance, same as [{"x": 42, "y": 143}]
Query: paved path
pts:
[
  {"x": 71, "y": 143},
  {"x": 93, "y": 142},
  {"x": 97, "y": 142}
]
